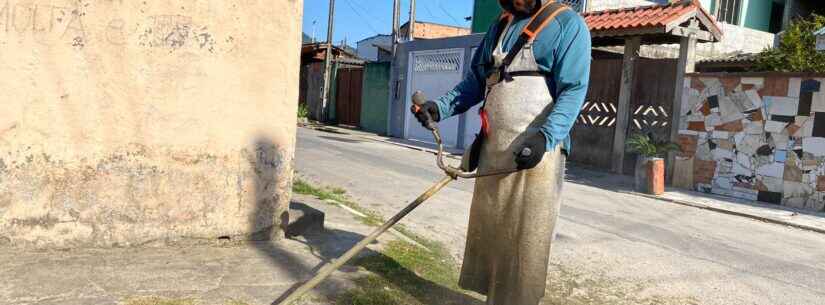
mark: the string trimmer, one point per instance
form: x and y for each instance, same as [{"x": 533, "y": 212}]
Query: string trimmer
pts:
[{"x": 452, "y": 173}]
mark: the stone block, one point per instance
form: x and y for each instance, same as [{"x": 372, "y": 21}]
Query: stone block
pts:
[
  {"x": 729, "y": 83},
  {"x": 794, "y": 189},
  {"x": 303, "y": 220},
  {"x": 697, "y": 84},
  {"x": 774, "y": 170},
  {"x": 775, "y": 86},
  {"x": 814, "y": 146},
  {"x": 820, "y": 183},
  {"x": 817, "y": 101},
  {"x": 718, "y": 134},
  {"x": 779, "y": 105},
  {"x": 725, "y": 144},
  {"x": 756, "y": 81},
  {"x": 793, "y": 130},
  {"x": 722, "y": 154},
  {"x": 754, "y": 98},
  {"x": 683, "y": 172},
  {"x": 774, "y": 126},
  {"x": 697, "y": 126},
  {"x": 687, "y": 144},
  {"x": 770, "y": 197},
  {"x": 712, "y": 120},
  {"x": 792, "y": 173},
  {"x": 770, "y": 184},
  {"x": 794, "y": 85},
  {"x": 703, "y": 171},
  {"x": 734, "y": 126}
]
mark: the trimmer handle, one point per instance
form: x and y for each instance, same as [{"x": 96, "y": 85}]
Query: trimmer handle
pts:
[{"x": 419, "y": 99}]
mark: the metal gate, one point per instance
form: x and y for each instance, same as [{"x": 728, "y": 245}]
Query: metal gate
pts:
[
  {"x": 435, "y": 73},
  {"x": 651, "y": 102},
  {"x": 348, "y": 96},
  {"x": 650, "y": 109},
  {"x": 592, "y": 135}
]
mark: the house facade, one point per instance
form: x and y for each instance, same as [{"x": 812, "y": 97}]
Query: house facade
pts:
[
  {"x": 749, "y": 25},
  {"x": 820, "y": 39},
  {"x": 430, "y": 30},
  {"x": 369, "y": 48}
]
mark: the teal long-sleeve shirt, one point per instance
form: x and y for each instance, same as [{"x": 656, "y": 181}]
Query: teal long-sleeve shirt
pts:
[{"x": 562, "y": 51}]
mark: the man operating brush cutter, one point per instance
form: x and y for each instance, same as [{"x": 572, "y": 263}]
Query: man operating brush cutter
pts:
[{"x": 531, "y": 75}]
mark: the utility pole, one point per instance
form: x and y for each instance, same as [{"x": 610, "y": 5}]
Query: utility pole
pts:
[
  {"x": 313, "y": 30},
  {"x": 411, "y": 28},
  {"x": 396, "y": 15},
  {"x": 328, "y": 63}
]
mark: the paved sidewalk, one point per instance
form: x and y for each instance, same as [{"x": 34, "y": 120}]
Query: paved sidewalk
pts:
[
  {"x": 210, "y": 272},
  {"x": 756, "y": 210}
]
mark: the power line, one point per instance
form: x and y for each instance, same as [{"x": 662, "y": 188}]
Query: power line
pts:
[
  {"x": 367, "y": 21},
  {"x": 441, "y": 6},
  {"x": 429, "y": 12},
  {"x": 367, "y": 11}
]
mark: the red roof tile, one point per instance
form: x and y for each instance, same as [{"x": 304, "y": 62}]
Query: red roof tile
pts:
[{"x": 653, "y": 19}]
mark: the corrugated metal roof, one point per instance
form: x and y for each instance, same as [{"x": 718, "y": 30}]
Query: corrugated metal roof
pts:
[
  {"x": 648, "y": 19},
  {"x": 736, "y": 58}
]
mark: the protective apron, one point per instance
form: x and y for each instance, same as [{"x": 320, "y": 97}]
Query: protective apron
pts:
[{"x": 512, "y": 218}]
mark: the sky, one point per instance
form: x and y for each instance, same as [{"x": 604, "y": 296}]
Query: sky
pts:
[{"x": 359, "y": 19}]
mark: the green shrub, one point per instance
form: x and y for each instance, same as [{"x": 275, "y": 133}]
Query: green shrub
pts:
[
  {"x": 648, "y": 147},
  {"x": 797, "y": 49},
  {"x": 303, "y": 111}
]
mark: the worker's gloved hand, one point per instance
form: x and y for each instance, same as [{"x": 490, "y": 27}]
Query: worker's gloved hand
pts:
[
  {"x": 426, "y": 113},
  {"x": 531, "y": 151}
]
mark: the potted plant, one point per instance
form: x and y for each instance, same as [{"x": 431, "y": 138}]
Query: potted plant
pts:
[{"x": 650, "y": 165}]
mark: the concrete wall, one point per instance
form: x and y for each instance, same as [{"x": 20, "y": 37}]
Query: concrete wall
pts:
[
  {"x": 754, "y": 136},
  {"x": 128, "y": 122},
  {"x": 736, "y": 40}
]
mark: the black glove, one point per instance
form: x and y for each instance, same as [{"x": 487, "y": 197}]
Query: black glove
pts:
[
  {"x": 531, "y": 151},
  {"x": 426, "y": 113}
]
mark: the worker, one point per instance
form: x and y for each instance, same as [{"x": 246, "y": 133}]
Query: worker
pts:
[{"x": 531, "y": 100}]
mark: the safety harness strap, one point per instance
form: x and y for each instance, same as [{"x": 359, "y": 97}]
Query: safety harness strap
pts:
[{"x": 539, "y": 21}]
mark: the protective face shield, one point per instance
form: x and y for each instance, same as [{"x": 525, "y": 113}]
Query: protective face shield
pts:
[{"x": 522, "y": 8}]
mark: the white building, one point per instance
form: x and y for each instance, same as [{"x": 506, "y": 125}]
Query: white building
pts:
[
  {"x": 367, "y": 48},
  {"x": 820, "y": 39}
]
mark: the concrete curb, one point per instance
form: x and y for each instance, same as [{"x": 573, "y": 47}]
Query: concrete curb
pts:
[{"x": 730, "y": 212}]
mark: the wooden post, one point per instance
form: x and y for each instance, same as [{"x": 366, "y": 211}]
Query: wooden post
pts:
[
  {"x": 686, "y": 64},
  {"x": 631, "y": 54}
]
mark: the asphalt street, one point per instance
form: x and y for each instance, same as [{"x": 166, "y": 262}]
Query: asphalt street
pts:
[{"x": 611, "y": 248}]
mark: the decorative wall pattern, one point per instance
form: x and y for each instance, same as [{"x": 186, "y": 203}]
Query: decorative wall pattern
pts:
[{"x": 758, "y": 138}]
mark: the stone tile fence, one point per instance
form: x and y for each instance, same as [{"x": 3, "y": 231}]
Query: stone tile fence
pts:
[{"x": 757, "y": 136}]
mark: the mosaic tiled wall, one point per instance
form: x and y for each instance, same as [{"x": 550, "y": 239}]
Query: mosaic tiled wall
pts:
[{"x": 758, "y": 138}]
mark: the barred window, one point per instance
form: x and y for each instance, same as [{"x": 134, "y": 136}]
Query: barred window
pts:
[
  {"x": 437, "y": 62},
  {"x": 728, "y": 11}
]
